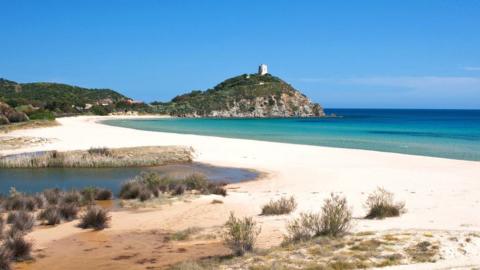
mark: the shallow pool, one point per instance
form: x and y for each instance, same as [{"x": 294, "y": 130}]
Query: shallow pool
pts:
[{"x": 36, "y": 180}]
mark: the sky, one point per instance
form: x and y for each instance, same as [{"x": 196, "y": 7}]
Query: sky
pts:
[{"x": 342, "y": 54}]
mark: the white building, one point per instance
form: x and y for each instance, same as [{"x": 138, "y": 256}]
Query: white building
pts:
[{"x": 262, "y": 69}]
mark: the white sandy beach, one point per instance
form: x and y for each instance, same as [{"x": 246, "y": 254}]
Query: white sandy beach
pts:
[{"x": 440, "y": 194}]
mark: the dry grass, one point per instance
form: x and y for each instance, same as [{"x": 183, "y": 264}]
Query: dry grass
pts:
[
  {"x": 381, "y": 204},
  {"x": 353, "y": 251},
  {"x": 240, "y": 234},
  {"x": 185, "y": 234},
  {"x": 281, "y": 206},
  {"x": 95, "y": 217},
  {"x": 333, "y": 220},
  {"x": 120, "y": 157},
  {"x": 27, "y": 125}
]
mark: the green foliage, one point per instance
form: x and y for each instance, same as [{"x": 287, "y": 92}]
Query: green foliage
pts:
[
  {"x": 100, "y": 110},
  {"x": 54, "y": 95},
  {"x": 45, "y": 100},
  {"x": 42, "y": 115}
]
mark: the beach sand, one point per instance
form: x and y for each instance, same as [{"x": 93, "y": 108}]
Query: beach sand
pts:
[{"x": 440, "y": 194}]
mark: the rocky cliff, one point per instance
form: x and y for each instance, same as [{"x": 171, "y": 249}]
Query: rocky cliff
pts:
[{"x": 244, "y": 96}]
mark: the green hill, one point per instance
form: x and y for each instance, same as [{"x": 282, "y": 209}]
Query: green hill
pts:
[
  {"x": 243, "y": 96},
  {"x": 54, "y": 96}
]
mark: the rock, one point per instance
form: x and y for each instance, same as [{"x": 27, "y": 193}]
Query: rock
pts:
[
  {"x": 11, "y": 115},
  {"x": 4, "y": 120}
]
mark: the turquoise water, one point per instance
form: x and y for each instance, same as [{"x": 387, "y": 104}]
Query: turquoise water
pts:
[{"x": 439, "y": 133}]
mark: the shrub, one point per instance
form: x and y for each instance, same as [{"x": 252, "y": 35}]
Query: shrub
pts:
[
  {"x": 21, "y": 221},
  {"x": 334, "y": 220},
  {"x": 279, "y": 207},
  {"x": 305, "y": 227},
  {"x": 240, "y": 234},
  {"x": 39, "y": 201},
  {"x": 95, "y": 217},
  {"x": 130, "y": 190},
  {"x": 42, "y": 115},
  {"x": 380, "y": 204},
  {"x": 19, "y": 202},
  {"x": 101, "y": 151},
  {"x": 50, "y": 216},
  {"x": 336, "y": 216},
  {"x": 5, "y": 259},
  {"x": 103, "y": 194},
  {"x": 72, "y": 197},
  {"x": 144, "y": 194},
  {"x": 18, "y": 248},
  {"x": 52, "y": 196},
  {"x": 68, "y": 211},
  {"x": 196, "y": 182},
  {"x": 146, "y": 185},
  {"x": 88, "y": 195},
  {"x": 179, "y": 190},
  {"x": 217, "y": 189}
]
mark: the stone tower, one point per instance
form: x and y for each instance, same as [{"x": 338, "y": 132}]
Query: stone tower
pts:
[{"x": 262, "y": 69}]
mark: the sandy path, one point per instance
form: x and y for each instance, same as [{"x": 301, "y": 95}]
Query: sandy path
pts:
[{"x": 440, "y": 194}]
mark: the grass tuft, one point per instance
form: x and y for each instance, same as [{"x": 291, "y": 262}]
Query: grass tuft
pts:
[
  {"x": 281, "y": 206},
  {"x": 18, "y": 248},
  {"x": 103, "y": 194},
  {"x": 68, "y": 211},
  {"x": 21, "y": 221},
  {"x": 380, "y": 205},
  {"x": 240, "y": 234},
  {"x": 95, "y": 217},
  {"x": 334, "y": 220},
  {"x": 50, "y": 216}
]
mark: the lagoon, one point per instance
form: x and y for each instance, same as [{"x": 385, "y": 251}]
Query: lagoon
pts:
[{"x": 38, "y": 179}]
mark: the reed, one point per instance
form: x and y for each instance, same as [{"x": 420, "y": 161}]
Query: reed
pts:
[{"x": 101, "y": 158}]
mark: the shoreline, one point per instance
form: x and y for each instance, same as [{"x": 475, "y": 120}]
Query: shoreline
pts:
[
  {"x": 373, "y": 148},
  {"x": 438, "y": 192}
]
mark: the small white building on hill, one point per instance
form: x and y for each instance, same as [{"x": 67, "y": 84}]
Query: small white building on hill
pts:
[{"x": 262, "y": 69}]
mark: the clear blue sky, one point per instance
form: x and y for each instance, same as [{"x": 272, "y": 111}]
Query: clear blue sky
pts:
[{"x": 356, "y": 54}]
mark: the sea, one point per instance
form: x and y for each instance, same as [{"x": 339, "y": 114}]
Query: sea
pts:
[{"x": 453, "y": 134}]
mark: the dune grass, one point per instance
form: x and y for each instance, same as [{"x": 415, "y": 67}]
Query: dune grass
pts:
[
  {"x": 333, "y": 220},
  {"x": 240, "y": 234},
  {"x": 281, "y": 206},
  {"x": 381, "y": 204}
]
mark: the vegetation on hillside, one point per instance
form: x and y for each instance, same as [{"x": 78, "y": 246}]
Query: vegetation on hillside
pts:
[
  {"x": 43, "y": 100},
  {"x": 238, "y": 91}
]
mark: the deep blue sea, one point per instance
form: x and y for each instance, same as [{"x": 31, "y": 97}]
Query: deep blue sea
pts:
[{"x": 439, "y": 133}]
